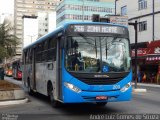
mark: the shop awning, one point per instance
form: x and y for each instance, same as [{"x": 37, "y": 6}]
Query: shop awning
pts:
[
  {"x": 151, "y": 53},
  {"x": 140, "y": 52},
  {"x": 154, "y": 48}
]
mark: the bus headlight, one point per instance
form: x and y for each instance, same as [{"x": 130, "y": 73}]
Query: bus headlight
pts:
[
  {"x": 72, "y": 87},
  {"x": 125, "y": 88}
]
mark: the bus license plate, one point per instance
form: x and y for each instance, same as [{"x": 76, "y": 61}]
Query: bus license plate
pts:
[{"x": 101, "y": 97}]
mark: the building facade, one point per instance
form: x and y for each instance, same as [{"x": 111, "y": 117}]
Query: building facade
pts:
[
  {"x": 42, "y": 23},
  {"x": 29, "y": 8},
  {"x": 82, "y": 10},
  {"x": 146, "y": 13},
  {"x": 46, "y": 22}
]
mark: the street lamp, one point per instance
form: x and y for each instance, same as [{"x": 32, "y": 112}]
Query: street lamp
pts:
[
  {"x": 136, "y": 38},
  {"x": 153, "y": 20},
  {"x": 31, "y": 36},
  {"x": 116, "y": 7},
  {"x": 83, "y": 11}
]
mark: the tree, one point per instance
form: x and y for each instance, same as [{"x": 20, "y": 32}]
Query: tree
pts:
[{"x": 8, "y": 41}]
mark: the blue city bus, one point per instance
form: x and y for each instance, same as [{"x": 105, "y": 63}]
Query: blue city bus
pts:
[{"x": 80, "y": 62}]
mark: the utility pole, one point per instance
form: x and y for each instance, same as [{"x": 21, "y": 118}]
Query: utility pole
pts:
[
  {"x": 116, "y": 7},
  {"x": 136, "y": 39},
  {"x": 31, "y": 36},
  {"x": 83, "y": 11},
  {"x": 153, "y": 22}
]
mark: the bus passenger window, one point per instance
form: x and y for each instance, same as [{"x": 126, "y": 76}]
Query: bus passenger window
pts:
[
  {"x": 52, "y": 49},
  {"x": 50, "y": 66}
]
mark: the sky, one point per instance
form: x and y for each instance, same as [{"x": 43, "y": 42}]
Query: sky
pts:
[{"x": 6, "y": 6}]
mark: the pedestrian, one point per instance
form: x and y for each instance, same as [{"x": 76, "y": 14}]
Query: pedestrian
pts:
[
  {"x": 144, "y": 77},
  {"x": 139, "y": 76},
  {"x": 152, "y": 78}
]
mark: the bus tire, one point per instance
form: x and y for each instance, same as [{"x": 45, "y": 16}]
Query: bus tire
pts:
[
  {"x": 54, "y": 103},
  {"x": 30, "y": 91},
  {"x": 101, "y": 104}
]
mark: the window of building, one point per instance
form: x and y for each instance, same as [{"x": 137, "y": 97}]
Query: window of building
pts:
[
  {"x": 124, "y": 10},
  {"x": 142, "y": 26},
  {"x": 142, "y": 4},
  {"x": 86, "y": 8}
]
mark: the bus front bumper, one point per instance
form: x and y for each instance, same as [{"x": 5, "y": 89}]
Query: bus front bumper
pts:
[{"x": 70, "y": 96}]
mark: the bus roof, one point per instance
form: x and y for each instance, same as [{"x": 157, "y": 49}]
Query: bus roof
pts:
[{"x": 64, "y": 26}]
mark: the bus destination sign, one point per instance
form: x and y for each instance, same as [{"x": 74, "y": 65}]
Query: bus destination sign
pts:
[{"x": 98, "y": 29}]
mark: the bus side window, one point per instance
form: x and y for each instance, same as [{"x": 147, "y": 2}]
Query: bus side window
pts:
[
  {"x": 52, "y": 49},
  {"x": 50, "y": 66},
  {"x": 42, "y": 51},
  {"x": 39, "y": 52},
  {"x": 45, "y": 50},
  {"x": 55, "y": 50},
  {"x": 27, "y": 57},
  {"x": 30, "y": 56},
  {"x": 36, "y": 53}
]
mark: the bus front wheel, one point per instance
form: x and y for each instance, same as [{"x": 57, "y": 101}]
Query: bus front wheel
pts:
[
  {"x": 101, "y": 103},
  {"x": 54, "y": 103}
]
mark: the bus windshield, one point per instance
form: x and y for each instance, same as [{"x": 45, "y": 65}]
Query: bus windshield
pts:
[{"x": 97, "y": 54}]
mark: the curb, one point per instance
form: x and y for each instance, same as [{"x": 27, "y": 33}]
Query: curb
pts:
[
  {"x": 139, "y": 90},
  {"x": 146, "y": 85},
  {"x": 13, "y": 102},
  {"x": 149, "y": 85},
  {"x": 13, "y": 94}
]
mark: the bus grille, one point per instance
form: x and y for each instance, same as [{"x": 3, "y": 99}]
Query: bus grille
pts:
[{"x": 100, "y": 81}]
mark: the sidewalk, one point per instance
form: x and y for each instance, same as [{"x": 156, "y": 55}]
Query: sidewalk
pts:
[
  {"x": 10, "y": 79},
  {"x": 146, "y": 85}
]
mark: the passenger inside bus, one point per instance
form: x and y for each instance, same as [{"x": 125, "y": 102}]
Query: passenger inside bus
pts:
[{"x": 78, "y": 61}]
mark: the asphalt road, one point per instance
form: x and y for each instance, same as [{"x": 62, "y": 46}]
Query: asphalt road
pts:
[{"x": 38, "y": 108}]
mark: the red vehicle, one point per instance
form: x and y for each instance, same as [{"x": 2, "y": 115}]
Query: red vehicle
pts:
[
  {"x": 8, "y": 69},
  {"x": 17, "y": 69}
]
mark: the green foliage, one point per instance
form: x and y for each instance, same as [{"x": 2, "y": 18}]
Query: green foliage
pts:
[{"x": 8, "y": 41}]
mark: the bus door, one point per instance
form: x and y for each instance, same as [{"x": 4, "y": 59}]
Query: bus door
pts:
[
  {"x": 34, "y": 68},
  {"x": 59, "y": 63}
]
